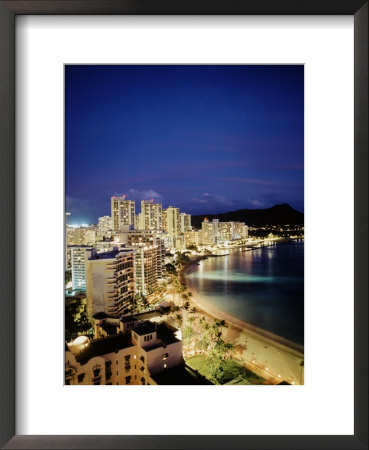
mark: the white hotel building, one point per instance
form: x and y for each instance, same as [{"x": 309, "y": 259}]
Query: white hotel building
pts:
[{"x": 135, "y": 355}]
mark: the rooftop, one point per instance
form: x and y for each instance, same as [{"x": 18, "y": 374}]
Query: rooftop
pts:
[
  {"x": 110, "y": 254},
  {"x": 165, "y": 336},
  {"x": 102, "y": 315},
  {"x": 166, "y": 333},
  {"x": 145, "y": 328},
  {"x": 100, "y": 347},
  {"x": 130, "y": 318}
]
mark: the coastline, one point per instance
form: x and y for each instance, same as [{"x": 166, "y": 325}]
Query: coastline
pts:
[{"x": 239, "y": 326}]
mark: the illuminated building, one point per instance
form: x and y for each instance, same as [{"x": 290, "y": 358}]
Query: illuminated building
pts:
[
  {"x": 164, "y": 219},
  {"x": 209, "y": 231},
  {"x": 225, "y": 231},
  {"x": 137, "y": 238},
  {"x": 79, "y": 256},
  {"x": 110, "y": 284},
  {"x": 135, "y": 355},
  {"x": 240, "y": 230},
  {"x": 185, "y": 222},
  {"x": 122, "y": 212},
  {"x": 193, "y": 238},
  {"x": 146, "y": 270},
  {"x": 173, "y": 221},
  {"x": 89, "y": 237},
  {"x": 104, "y": 226},
  {"x": 150, "y": 217}
]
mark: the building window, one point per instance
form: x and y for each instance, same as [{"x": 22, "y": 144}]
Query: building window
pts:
[
  {"x": 165, "y": 366},
  {"x": 142, "y": 358},
  {"x": 128, "y": 379},
  {"x": 165, "y": 356},
  {"x": 96, "y": 372},
  {"x": 81, "y": 376}
]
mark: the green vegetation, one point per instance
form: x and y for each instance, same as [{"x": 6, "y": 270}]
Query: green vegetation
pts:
[
  {"x": 233, "y": 373},
  {"x": 76, "y": 321},
  {"x": 170, "y": 269},
  {"x": 182, "y": 259}
]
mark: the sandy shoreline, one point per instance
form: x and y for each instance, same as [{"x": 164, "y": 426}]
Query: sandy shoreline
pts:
[{"x": 241, "y": 326}]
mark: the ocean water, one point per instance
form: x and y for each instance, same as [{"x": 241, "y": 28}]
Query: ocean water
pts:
[{"x": 264, "y": 287}]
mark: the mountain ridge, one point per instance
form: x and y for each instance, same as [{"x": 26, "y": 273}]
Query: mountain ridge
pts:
[{"x": 280, "y": 214}]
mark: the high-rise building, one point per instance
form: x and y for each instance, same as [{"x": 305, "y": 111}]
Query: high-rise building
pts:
[
  {"x": 225, "y": 231},
  {"x": 164, "y": 219},
  {"x": 104, "y": 226},
  {"x": 79, "y": 257},
  {"x": 209, "y": 231},
  {"x": 150, "y": 217},
  {"x": 110, "y": 284},
  {"x": 122, "y": 212},
  {"x": 144, "y": 238},
  {"x": 241, "y": 231},
  {"x": 146, "y": 269},
  {"x": 173, "y": 226},
  {"x": 185, "y": 222},
  {"x": 89, "y": 236},
  {"x": 193, "y": 238}
]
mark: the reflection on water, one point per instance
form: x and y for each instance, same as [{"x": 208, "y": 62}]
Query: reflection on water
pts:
[{"x": 264, "y": 287}]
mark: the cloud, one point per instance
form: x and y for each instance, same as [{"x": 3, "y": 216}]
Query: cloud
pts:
[
  {"x": 133, "y": 194},
  {"x": 212, "y": 200},
  {"x": 255, "y": 202},
  {"x": 258, "y": 182}
]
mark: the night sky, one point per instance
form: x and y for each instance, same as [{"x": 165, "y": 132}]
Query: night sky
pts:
[{"x": 207, "y": 139}]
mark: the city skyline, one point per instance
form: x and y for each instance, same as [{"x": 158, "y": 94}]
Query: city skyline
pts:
[{"x": 206, "y": 139}]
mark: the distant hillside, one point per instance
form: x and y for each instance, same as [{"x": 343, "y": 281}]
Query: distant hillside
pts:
[{"x": 276, "y": 215}]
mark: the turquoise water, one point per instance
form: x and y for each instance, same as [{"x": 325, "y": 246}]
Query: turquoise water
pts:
[{"x": 264, "y": 287}]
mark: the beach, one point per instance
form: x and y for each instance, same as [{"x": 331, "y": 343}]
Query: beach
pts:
[{"x": 271, "y": 356}]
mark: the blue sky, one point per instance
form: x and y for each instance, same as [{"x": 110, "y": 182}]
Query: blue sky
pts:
[{"x": 207, "y": 139}]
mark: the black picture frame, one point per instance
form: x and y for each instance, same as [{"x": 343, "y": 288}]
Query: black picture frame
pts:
[{"x": 8, "y": 12}]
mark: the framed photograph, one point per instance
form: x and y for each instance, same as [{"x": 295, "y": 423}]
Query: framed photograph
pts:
[{"x": 162, "y": 166}]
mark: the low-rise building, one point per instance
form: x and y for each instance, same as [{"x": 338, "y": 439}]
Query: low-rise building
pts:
[{"x": 130, "y": 357}]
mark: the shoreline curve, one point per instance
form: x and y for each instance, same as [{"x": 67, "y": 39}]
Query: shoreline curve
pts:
[{"x": 204, "y": 305}]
